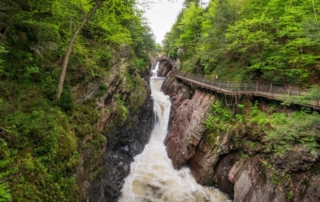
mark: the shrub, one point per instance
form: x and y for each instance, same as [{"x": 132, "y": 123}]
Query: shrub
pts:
[
  {"x": 298, "y": 128},
  {"x": 219, "y": 119}
]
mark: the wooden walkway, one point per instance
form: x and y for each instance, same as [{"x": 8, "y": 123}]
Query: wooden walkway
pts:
[{"x": 262, "y": 89}]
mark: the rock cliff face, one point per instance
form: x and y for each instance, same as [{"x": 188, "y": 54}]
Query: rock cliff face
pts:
[
  {"x": 125, "y": 121},
  {"x": 219, "y": 160}
]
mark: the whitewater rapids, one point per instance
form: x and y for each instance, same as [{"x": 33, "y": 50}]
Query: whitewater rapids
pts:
[{"x": 152, "y": 177}]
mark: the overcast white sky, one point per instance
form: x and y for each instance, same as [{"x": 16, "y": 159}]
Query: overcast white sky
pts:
[
  {"x": 161, "y": 16},
  {"x": 163, "y": 13}
]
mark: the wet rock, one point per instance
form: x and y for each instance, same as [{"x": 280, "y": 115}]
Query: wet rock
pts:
[
  {"x": 297, "y": 159},
  {"x": 221, "y": 172},
  {"x": 203, "y": 164},
  {"x": 187, "y": 128},
  {"x": 104, "y": 165},
  {"x": 252, "y": 182},
  {"x": 177, "y": 91},
  {"x": 313, "y": 192},
  {"x": 166, "y": 65},
  {"x": 123, "y": 145}
]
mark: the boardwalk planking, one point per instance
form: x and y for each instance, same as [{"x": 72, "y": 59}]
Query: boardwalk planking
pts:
[{"x": 262, "y": 89}]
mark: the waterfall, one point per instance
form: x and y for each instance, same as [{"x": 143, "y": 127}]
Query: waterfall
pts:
[{"x": 152, "y": 177}]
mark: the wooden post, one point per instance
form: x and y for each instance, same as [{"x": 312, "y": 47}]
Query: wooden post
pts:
[
  {"x": 289, "y": 90},
  {"x": 257, "y": 87},
  {"x": 271, "y": 89},
  {"x": 228, "y": 85},
  {"x": 236, "y": 100},
  {"x": 235, "y": 108}
]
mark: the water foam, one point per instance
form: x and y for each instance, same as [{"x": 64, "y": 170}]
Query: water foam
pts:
[{"x": 152, "y": 176}]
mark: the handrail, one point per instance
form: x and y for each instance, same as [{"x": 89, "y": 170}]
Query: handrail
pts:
[{"x": 256, "y": 88}]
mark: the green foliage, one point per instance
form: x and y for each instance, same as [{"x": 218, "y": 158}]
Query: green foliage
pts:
[
  {"x": 66, "y": 101},
  {"x": 5, "y": 161},
  {"x": 257, "y": 116},
  {"x": 280, "y": 132},
  {"x": 121, "y": 111},
  {"x": 84, "y": 117},
  {"x": 4, "y": 194},
  {"x": 297, "y": 128},
  {"x": 220, "y": 118},
  {"x": 269, "y": 39},
  {"x": 38, "y": 141},
  {"x": 312, "y": 97},
  {"x": 39, "y": 137},
  {"x": 2, "y": 60},
  {"x": 102, "y": 90}
]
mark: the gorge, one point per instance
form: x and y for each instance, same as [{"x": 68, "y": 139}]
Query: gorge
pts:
[
  {"x": 152, "y": 176},
  {"x": 237, "y": 161},
  {"x": 115, "y": 134}
]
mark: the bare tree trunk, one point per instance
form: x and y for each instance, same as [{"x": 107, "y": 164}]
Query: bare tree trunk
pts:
[{"x": 70, "y": 47}]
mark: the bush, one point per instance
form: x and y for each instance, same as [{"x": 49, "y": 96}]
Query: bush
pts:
[
  {"x": 299, "y": 128},
  {"x": 220, "y": 119}
]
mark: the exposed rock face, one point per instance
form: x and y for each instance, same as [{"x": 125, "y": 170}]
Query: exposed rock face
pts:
[
  {"x": 296, "y": 160},
  {"x": 187, "y": 128},
  {"x": 122, "y": 147},
  {"x": 126, "y": 120},
  {"x": 221, "y": 172},
  {"x": 252, "y": 182},
  {"x": 206, "y": 156},
  {"x": 166, "y": 65}
]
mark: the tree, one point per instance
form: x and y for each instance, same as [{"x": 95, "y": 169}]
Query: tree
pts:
[{"x": 70, "y": 46}]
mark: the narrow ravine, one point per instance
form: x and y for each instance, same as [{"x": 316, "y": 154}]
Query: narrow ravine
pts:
[{"x": 152, "y": 176}]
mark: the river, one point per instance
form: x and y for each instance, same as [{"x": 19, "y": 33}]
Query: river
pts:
[{"x": 152, "y": 177}]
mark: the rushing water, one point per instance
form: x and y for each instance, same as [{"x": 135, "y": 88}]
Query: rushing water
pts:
[{"x": 152, "y": 177}]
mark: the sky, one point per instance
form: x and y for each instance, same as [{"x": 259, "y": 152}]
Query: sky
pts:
[{"x": 161, "y": 15}]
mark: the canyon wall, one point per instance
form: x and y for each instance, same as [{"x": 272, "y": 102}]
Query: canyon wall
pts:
[
  {"x": 123, "y": 124},
  {"x": 237, "y": 162}
]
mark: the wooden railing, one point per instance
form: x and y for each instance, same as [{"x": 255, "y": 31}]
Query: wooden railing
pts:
[{"x": 263, "y": 89}]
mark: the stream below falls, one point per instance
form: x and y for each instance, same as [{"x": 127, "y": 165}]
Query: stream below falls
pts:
[{"x": 152, "y": 177}]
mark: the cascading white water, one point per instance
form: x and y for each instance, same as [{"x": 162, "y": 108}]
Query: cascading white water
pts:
[{"x": 152, "y": 177}]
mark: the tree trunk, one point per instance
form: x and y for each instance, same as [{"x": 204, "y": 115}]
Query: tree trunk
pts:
[{"x": 69, "y": 50}]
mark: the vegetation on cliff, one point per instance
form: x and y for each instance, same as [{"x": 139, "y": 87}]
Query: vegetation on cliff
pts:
[
  {"x": 40, "y": 138},
  {"x": 287, "y": 141},
  {"x": 277, "y": 132},
  {"x": 272, "y": 40}
]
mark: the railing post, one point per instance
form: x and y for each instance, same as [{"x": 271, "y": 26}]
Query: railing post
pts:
[
  {"x": 270, "y": 89},
  {"x": 228, "y": 85},
  {"x": 257, "y": 86},
  {"x": 289, "y": 90}
]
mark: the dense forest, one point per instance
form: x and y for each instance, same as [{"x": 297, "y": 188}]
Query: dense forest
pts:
[
  {"x": 272, "y": 40},
  {"x": 40, "y": 130}
]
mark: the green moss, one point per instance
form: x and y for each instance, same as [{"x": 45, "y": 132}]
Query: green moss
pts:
[
  {"x": 84, "y": 117},
  {"x": 40, "y": 148},
  {"x": 139, "y": 94}
]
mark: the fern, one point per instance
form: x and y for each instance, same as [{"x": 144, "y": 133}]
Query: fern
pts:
[{"x": 298, "y": 129}]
